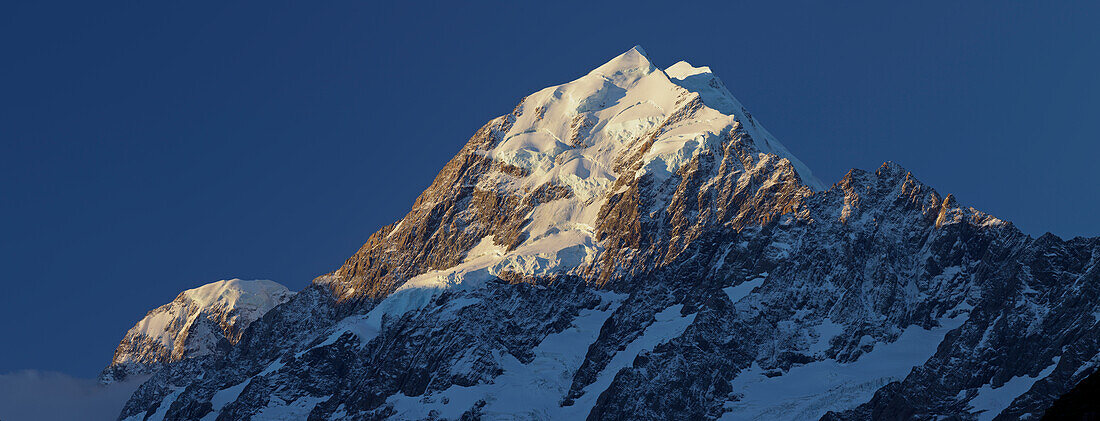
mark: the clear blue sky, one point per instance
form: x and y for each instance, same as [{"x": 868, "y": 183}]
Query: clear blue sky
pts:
[{"x": 151, "y": 147}]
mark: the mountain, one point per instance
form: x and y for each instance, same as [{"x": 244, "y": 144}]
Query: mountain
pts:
[
  {"x": 635, "y": 245},
  {"x": 198, "y": 322}
]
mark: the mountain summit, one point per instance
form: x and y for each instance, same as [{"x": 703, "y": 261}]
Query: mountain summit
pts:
[
  {"x": 546, "y": 189},
  {"x": 632, "y": 64},
  {"x": 633, "y": 244}
]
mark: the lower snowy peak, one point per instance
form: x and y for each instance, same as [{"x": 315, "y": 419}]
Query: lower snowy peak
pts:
[{"x": 196, "y": 323}]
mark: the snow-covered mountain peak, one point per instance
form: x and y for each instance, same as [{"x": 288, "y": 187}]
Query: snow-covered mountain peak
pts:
[
  {"x": 194, "y": 324},
  {"x": 632, "y": 64},
  {"x": 531, "y": 192}
]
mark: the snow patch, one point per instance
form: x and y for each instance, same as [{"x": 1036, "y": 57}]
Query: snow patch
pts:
[
  {"x": 166, "y": 403},
  {"x": 223, "y": 397},
  {"x": 809, "y": 391},
  {"x": 669, "y": 324},
  {"x": 991, "y": 401},
  {"x": 522, "y": 391},
  {"x": 742, "y": 290},
  {"x": 297, "y": 409}
]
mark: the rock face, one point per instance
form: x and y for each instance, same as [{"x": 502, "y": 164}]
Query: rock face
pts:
[
  {"x": 198, "y": 322},
  {"x": 635, "y": 245}
]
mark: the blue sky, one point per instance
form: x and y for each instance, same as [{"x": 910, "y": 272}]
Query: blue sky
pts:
[{"x": 150, "y": 147}]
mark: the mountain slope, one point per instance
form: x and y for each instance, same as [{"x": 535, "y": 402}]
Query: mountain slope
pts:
[
  {"x": 633, "y": 244},
  {"x": 194, "y": 324}
]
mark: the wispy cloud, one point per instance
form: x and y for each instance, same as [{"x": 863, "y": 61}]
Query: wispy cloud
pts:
[{"x": 32, "y": 395}]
